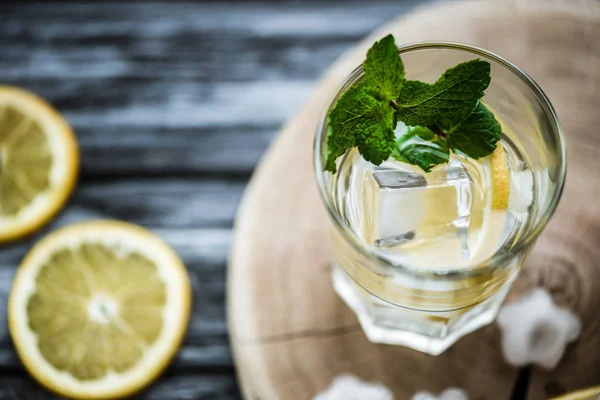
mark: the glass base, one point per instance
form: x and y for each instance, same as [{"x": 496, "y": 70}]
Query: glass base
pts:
[{"x": 428, "y": 332}]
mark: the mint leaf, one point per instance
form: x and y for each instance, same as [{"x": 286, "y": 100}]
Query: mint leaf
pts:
[
  {"x": 341, "y": 121},
  {"x": 384, "y": 69},
  {"x": 360, "y": 119},
  {"x": 456, "y": 93},
  {"x": 476, "y": 135},
  {"x": 421, "y": 146},
  {"x": 375, "y": 137}
]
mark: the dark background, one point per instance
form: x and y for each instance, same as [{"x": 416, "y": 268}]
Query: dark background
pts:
[{"x": 173, "y": 105}]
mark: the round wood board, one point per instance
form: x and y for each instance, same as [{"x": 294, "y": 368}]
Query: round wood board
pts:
[{"x": 292, "y": 335}]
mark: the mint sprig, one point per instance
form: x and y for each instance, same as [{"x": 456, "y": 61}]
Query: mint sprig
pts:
[{"x": 443, "y": 116}]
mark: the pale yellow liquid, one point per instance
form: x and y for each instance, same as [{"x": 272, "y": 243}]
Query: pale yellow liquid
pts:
[{"x": 445, "y": 225}]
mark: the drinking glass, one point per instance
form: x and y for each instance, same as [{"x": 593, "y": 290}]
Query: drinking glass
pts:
[{"x": 411, "y": 303}]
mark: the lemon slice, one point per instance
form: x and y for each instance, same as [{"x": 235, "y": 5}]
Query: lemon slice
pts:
[
  {"x": 38, "y": 163},
  {"x": 493, "y": 220},
  {"x": 500, "y": 179},
  {"x": 592, "y": 393},
  {"x": 98, "y": 309}
]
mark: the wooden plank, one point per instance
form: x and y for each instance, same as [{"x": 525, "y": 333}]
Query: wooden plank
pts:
[
  {"x": 193, "y": 55},
  {"x": 167, "y": 127},
  {"x": 173, "y": 202},
  {"x": 188, "y": 104},
  {"x": 156, "y": 151},
  {"x": 169, "y": 386},
  {"x": 168, "y": 19},
  {"x": 186, "y": 88}
]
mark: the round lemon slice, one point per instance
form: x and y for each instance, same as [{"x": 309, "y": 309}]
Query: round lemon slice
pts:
[
  {"x": 38, "y": 163},
  {"x": 98, "y": 309}
]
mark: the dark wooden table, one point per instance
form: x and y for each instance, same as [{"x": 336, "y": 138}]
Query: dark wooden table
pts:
[{"x": 173, "y": 105}]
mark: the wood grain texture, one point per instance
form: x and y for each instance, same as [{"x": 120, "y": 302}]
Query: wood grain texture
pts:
[
  {"x": 178, "y": 88},
  {"x": 292, "y": 335},
  {"x": 173, "y": 104}
]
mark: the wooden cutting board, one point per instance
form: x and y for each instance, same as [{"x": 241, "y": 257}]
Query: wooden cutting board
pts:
[{"x": 290, "y": 332}]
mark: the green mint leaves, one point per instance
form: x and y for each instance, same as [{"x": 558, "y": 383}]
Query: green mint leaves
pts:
[
  {"x": 441, "y": 116},
  {"x": 456, "y": 93}
]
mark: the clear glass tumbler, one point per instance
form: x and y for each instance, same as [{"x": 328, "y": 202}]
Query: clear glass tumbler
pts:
[{"x": 429, "y": 309}]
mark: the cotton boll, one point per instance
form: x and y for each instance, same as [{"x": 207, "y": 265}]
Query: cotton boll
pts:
[
  {"x": 424, "y": 395},
  {"x": 454, "y": 394},
  {"x": 348, "y": 387},
  {"x": 448, "y": 394},
  {"x": 535, "y": 330}
]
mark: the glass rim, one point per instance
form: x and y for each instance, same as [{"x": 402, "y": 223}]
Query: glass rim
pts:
[{"x": 493, "y": 262}]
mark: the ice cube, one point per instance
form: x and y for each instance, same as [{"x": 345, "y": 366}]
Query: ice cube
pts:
[
  {"x": 398, "y": 179},
  {"x": 397, "y": 205},
  {"x": 521, "y": 191},
  {"x": 403, "y": 205}
]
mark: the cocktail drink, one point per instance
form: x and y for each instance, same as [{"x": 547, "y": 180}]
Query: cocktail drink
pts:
[{"x": 428, "y": 240}]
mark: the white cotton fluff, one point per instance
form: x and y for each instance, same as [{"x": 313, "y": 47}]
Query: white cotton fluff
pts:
[
  {"x": 348, "y": 387},
  {"x": 535, "y": 330},
  {"x": 448, "y": 394}
]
